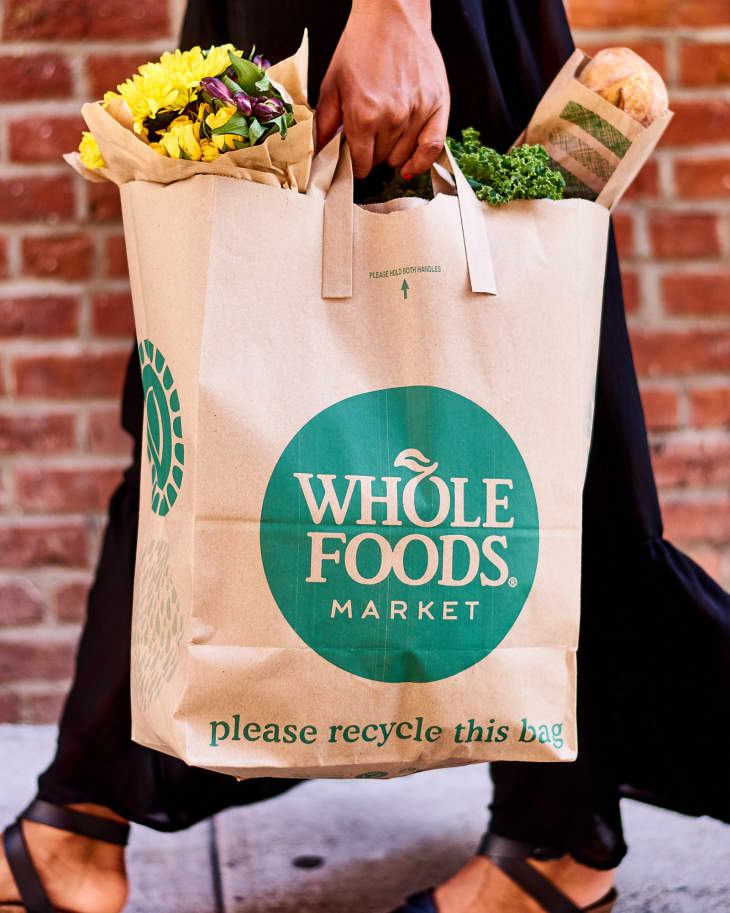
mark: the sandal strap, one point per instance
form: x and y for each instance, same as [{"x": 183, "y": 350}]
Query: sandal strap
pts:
[
  {"x": 76, "y": 822},
  {"x": 29, "y": 885},
  {"x": 511, "y": 857}
]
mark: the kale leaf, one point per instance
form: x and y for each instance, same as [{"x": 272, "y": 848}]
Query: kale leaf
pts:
[{"x": 524, "y": 173}]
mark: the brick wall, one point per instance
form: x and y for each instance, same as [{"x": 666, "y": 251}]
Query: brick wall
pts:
[
  {"x": 65, "y": 319},
  {"x": 65, "y": 328}
]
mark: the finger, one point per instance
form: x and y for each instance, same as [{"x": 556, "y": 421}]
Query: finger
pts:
[
  {"x": 394, "y": 121},
  {"x": 362, "y": 149},
  {"x": 328, "y": 114},
  {"x": 405, "y": 147},
  {"x": 430, "y": 143},
  {"x": 386, "y": 140}
]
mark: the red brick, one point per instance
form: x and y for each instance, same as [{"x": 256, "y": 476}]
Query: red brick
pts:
[
  {"x": 630, "y": 286},
  {"x": 706, "y": 121},
  {"x": 683, "y": 235},
  {"x": 9, "y": 708},
  {"x": 58, "y": 257},
  {"x": 623, "y": 226},
  {"x": 47, "y": 315},
  {"x": 653, "y": 52},
  {"x": 104, "y": 72},
  {"x": 3, "y": 258},
  {"x": 606, "y": 14},
  {"x": 106, "y": 434},
  {"x": 70, "y": 601},
  {"x": 697, "y": 293},
  {"x": 103, "y": 203},
  {"x": 646, "y": 183},
  {"x": 699, "y": 463},
  {"x": 47, "y": 77},
  {"x": 24, "y": 659},
  {"x": 36, "y": 198},
  {"x": 58, "y": 376},
  {"x": 112, "y": 314},
  {"x": 58, "y": 490},
  {"x": 44, "y": 139},
  {"x": 710, "y": 406},
  {"x": 19, "y": 605},
  {"x": 705, "y": 63},
  {"x": 697, "y": 521},
  {"x": 665, "y": 352},
  {"x": 63, "y": 545},
  {"x": 58, "y": 20},
  {"x": 42, "y": 708},
  {"x": 711, "y": 560},
  {"x": 703, "y": 178},
  {"x": 49, "y": 433},
  {"x": 660, "y": 409},
  {"x": 115, "y": 257}
]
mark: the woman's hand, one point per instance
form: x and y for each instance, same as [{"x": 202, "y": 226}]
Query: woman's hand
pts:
[{"x": 386, "y": 84}]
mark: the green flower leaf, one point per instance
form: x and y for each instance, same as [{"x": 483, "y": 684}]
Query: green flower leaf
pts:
[
  {"x": 247, "y": 73},
  {"x": 237, "y": 124},
  {"x": 255, "y": 131}
]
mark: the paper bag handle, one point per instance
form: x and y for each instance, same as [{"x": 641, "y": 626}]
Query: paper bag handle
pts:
[{"x": 338, "y": 228}]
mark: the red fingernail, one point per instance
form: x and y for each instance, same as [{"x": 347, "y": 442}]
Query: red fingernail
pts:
[{"x": 407, "y": 177}]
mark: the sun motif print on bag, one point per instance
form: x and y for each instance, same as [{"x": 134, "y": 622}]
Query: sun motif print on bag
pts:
[{"x": 165, "y": 448}]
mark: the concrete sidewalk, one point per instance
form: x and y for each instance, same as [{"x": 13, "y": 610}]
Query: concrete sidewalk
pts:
[{"x": 359, "y": 846}]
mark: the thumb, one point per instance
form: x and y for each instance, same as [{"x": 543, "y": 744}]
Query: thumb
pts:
[{"x": 328, "y": 115}]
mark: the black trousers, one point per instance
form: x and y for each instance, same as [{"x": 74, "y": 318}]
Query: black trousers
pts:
[{"x": 654, "y": 656}]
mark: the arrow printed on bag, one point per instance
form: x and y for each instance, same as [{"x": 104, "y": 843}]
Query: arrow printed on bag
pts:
[{"x": 404, "y": 288}]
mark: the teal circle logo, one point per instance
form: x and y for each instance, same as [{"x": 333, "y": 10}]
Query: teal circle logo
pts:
[
  {"x": 399, "y": 534},
  {"x": 165, "y": 448}
]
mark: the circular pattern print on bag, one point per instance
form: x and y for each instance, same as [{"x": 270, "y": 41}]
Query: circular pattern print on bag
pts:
[
  {"x": 156, "y": 625},
  {"x": 165, "y": 448},
  {"x": 399, "y": 534}
]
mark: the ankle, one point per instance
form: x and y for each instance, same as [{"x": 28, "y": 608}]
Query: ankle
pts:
[
  {"x": 583, "y": 884},
  {"x": 100, "y": 811}
]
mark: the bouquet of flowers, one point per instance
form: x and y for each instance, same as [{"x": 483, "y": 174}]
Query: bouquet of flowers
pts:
[{"x": 209, "y": 110}]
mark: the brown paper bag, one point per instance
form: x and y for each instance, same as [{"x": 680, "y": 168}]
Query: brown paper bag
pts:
[
  {"x": 598, "y": 148},
  {"x": 360, "y": 529}
]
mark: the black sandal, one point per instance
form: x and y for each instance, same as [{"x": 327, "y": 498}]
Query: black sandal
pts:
[
  {"x": 30, "y": 887},
  {"x": 511, "y": 857}
]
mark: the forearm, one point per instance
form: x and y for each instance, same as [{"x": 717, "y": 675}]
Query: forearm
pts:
[{"x": 415, "y": 11}]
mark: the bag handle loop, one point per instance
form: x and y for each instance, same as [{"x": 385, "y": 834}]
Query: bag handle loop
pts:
[{"x": 338, "y": 226}]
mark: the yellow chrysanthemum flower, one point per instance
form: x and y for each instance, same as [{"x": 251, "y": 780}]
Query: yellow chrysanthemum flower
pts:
[
  {"x": 158, "y": 147},
  {"x": 153, "y": 92},
  {"x": 91, "y": 156},
  {"x": 182, "y": 137},
  {"x": 189, "y": 67}
]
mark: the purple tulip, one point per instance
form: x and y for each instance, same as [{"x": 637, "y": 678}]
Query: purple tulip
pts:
[
  {"x": 243, "y": 103},
  {"x": 267, "y": 108},
  {"x": 216, "y": 89},
  {"x": 261, "y": 62}
]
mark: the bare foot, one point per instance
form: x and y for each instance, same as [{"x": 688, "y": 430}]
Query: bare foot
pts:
[
  {"x": 79, "y": 874},
  {"x": 480, "y": 887}
]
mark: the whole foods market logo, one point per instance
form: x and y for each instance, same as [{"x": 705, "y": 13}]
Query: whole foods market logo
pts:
[
  {"x": 165, "y": 449},
  {"x": 399, "y": 534}
]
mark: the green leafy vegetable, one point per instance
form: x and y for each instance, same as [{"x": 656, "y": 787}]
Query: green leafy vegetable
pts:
[{"x": 524, "y": 173}]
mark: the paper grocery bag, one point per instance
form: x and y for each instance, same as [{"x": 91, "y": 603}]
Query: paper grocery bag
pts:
[
  {"x": 367, "y": 432},
  {"x": 598, "y": 148}
]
